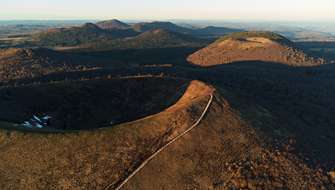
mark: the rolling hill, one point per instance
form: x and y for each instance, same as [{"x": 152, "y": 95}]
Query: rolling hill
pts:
[
  {"x": 74, "y": 36},
  {"x": 147, "y": 26},
  {"x": 158, "y": 38},
  {"x": 112, "y": 24},
  {"x": 206, "y": 32},
  {"x": 252, "y": 46},
  {"x": 213, "y": 31},
  {"x": 71, "y": 36},
  {"x": 112, "y": 30}
]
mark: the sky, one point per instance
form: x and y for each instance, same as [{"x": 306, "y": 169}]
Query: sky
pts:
[{"x": 295, "y": 10}]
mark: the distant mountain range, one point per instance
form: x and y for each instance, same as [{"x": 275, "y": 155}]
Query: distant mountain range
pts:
[
  {"x": 206, "y": 32},
  {"x": 112, "y": 31},
  {"x": 117, "y": 34},
  {"x": 296, "y": 31}
]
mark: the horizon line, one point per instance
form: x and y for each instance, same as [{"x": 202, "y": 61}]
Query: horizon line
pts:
[{"x": 168, "y": 19}]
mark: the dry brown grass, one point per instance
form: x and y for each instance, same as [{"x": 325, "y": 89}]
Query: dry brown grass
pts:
[
  {"x": 225, "y": 152},
  {"x": 92, "y": 159}
]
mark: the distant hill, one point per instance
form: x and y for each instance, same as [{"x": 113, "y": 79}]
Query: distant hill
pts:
[
  {"x": 252, "y": 46},
  {"x": 307, "y": 35},
  {"x": 213, "y": 31},
  {"x": 110, "y": 30},
  {"x": 207, "y": 32},
  {"x": 158, "y": 38},
  {"x": 71, "y": 36},
  {"x": 145, "y": 26},
  {"x": 112, "y": 24},
  {"x": 74, "y": 36}
]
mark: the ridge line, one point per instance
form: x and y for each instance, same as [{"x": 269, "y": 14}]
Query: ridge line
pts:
[{"x": 145, "y": 162}]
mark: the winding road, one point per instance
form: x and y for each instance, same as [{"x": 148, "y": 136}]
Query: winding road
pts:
[{"x": 145, "y": 162}]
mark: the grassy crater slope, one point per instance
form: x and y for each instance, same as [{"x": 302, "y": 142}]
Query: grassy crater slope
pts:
[
  {"x": 252, "y": 46},
  {"x": 223, "y": 152},
  {"x": 90, "y": 104},
  {"x": 93, "y": 159}
]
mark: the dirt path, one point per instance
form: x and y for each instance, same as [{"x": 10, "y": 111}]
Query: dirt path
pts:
[{"x": 164, "y": 147}]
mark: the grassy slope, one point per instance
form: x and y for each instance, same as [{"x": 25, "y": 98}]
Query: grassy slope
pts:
[
  {"x": 225, "y": 152},
  {"x": 92, "y": 159}
]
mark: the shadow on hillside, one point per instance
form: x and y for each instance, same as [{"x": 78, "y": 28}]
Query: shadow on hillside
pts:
[
  {"x": 114, "y": 63},
  {"x": 292, "y": 106},
  {"x": 91, "y": 104},
  {"x": 175, "y": 56}
]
